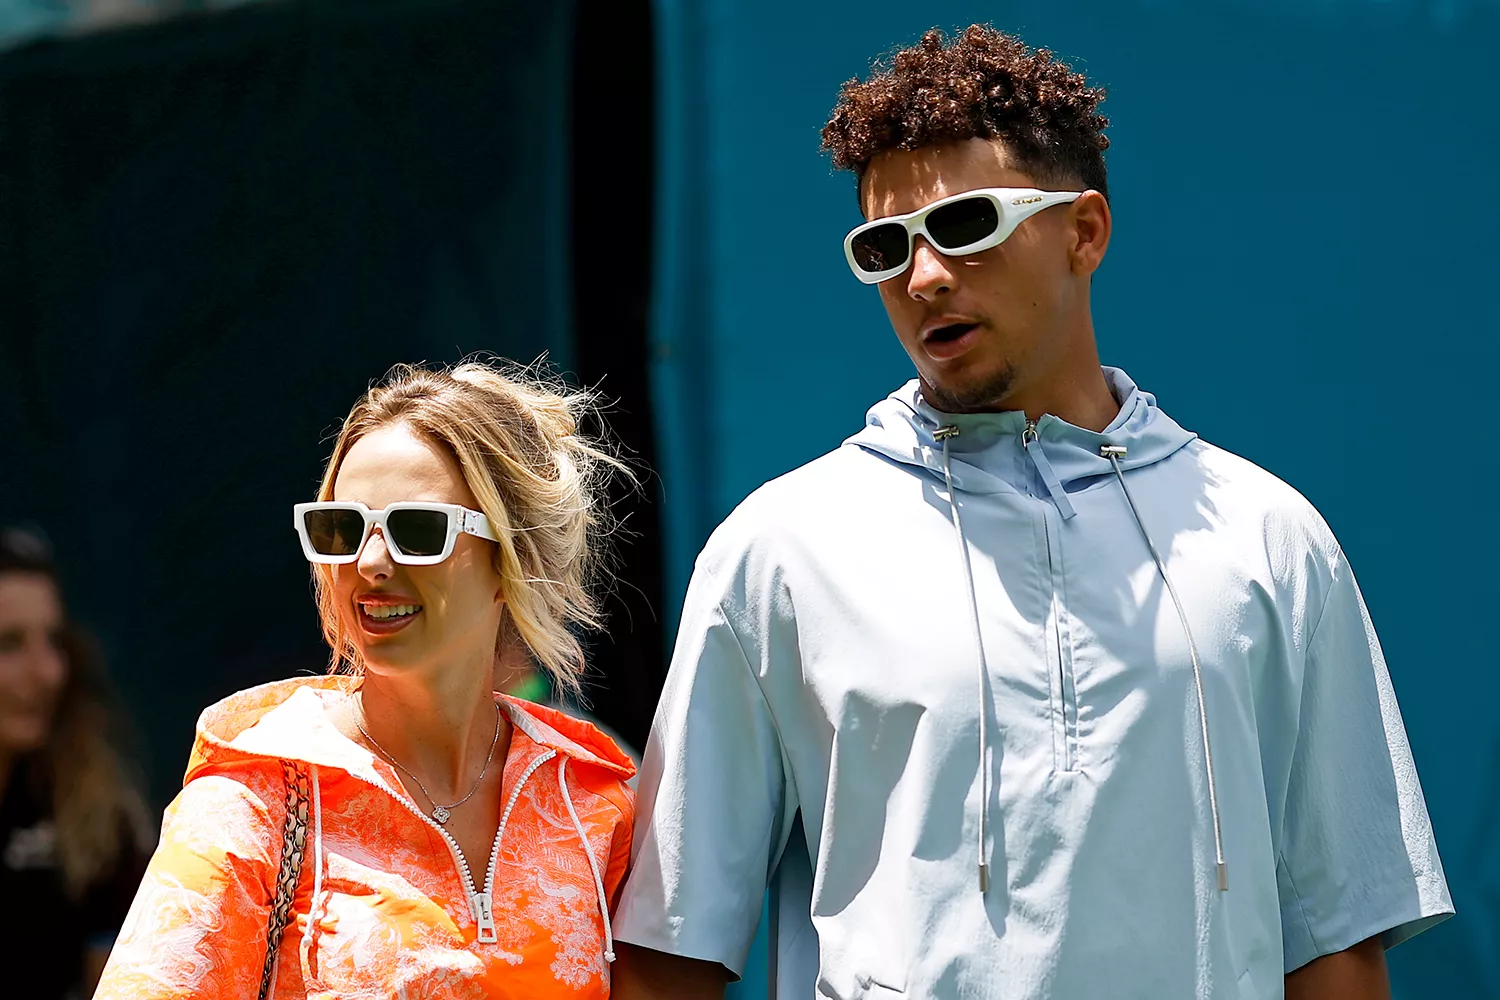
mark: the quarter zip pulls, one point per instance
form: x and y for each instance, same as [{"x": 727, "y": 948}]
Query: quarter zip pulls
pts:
[{"x": 481, "y": 901}]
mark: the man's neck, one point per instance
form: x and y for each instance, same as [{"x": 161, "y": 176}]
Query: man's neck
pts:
[{"x": 1080, "y": 396}]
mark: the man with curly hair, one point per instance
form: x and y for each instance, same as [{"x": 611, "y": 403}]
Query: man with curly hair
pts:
[{"x": 1066, "y": 702}]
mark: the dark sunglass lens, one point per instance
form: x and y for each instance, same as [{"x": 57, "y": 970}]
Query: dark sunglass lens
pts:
[
  {"x": 334, "y": 532},
  {"x": 881, "y": 248},
  {"x": 418, "y": 532},
  {"x": 963, "y": 222}
]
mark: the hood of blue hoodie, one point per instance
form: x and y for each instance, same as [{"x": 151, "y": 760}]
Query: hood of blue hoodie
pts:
[{"x": 987, "y": 454}]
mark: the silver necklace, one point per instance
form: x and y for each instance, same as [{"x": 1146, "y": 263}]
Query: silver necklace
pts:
[{"x": 439, "y": 812}]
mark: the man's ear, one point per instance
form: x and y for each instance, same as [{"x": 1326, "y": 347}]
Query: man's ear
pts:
[{"x": 1092, "y": 224}]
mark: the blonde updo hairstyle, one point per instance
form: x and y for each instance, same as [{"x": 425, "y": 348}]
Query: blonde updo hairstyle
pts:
[{"x": 538, "y": 478}]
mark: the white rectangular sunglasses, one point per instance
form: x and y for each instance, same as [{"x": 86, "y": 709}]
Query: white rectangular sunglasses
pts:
[
  {"x": 957, "y": 225},
  {"x": 416, "y": 533}
]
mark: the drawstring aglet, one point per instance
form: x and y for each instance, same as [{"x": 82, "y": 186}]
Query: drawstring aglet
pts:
[
  {"x": 984, "y": 878},
  {"x": 1223, "y": 877}
]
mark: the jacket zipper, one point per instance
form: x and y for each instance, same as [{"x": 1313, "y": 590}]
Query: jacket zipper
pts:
[
  {"x": 1066, "y": 718},
  {"x": 481, "y": 903}
]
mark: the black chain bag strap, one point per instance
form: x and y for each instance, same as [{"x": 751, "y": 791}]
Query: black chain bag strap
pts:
[{"x": 293, "y": 849}]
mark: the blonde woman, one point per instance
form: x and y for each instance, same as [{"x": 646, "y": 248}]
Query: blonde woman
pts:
[{"x": 399, "y": 829}]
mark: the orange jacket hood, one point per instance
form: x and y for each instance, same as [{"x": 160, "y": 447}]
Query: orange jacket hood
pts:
[{"x": 383, "y": 906}]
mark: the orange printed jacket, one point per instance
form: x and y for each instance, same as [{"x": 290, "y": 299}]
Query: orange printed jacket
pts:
[{"x": 385, "y": 906}]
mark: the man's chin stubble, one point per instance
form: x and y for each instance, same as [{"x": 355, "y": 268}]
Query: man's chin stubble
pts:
[{"x": 982, "y": 395}]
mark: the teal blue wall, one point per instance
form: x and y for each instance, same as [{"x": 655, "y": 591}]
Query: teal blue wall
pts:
[{"x": 1302, "y": 271}]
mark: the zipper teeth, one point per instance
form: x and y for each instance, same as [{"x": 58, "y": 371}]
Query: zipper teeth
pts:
[
  {"x": 1028, "y": 435},
  {"x": 515, "y": 794},
  {"x": 1062, "y": 677},
  {"x": 458, "y": 855},
  {"x": 464, "y": 871}
]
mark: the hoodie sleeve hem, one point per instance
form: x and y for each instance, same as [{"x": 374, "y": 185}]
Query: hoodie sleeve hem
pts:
[
  {"x": 1392, "y": 928},
  {"x": 673, "y": 944}
]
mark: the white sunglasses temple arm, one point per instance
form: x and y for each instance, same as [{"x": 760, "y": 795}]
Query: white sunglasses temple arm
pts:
[
  {"x": 1061, "y": 197},
  {"x": 1048, "y": 199},
  {"x": 474, "y": 523}
]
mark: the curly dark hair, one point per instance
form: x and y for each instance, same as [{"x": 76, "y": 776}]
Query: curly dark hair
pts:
[{"x": 983, "y": 84}]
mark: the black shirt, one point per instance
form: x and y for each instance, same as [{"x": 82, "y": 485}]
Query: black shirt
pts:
[{"x": 45, "y": 933}]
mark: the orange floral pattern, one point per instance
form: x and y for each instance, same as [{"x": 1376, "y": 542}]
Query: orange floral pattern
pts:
[{"x": 381, "y": 909}]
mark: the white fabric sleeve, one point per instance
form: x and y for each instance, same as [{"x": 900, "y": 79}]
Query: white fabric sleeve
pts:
[
  {"x": 1357, "y": 856},
  {"x": 713, "y": 808}
]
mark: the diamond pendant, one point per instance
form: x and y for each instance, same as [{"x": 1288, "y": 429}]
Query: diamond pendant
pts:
[{"x": 440, "y": 814}]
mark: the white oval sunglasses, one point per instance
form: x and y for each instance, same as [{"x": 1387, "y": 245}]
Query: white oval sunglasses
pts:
[
  {"x": 958, "y": 225},
  {"x": 416, "y": 533}
]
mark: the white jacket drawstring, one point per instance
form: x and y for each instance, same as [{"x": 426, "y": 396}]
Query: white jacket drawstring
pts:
[
  {"x": 1114, "y": 453},
  {"x": 588, "y": 852},
  {"x": 313, "y": 906},
  {"x": 943, "y": 434}
]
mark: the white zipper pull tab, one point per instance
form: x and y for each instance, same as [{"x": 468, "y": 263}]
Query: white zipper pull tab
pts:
[
  {"x": 1028, "y": 435},
  {"x": 480, "y": 905}
]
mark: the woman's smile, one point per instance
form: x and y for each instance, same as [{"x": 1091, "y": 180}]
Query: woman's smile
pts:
[{"x": 380, "y": 616}]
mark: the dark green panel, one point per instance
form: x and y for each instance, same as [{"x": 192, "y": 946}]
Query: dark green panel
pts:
[{"x": 213, "y": 234}]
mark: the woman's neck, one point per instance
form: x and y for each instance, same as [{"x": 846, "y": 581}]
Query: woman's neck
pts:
[{"x": 440, "y": 726}]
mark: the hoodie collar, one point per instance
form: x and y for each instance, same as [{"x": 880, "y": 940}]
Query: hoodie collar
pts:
[
  {"x": 288, "y": 720},
  {"x": 987, "y": 455}
]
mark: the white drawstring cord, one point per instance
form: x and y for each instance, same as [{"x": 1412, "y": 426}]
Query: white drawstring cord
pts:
[
  {"x": 1114, "y": 453},
  {"x": 943, "y": 434},
  {"x": 588, "y": 852},
  {"x": 312, "y": 905}
]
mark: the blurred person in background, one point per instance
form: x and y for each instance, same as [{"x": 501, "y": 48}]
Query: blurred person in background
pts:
[
  {"x": 400, "y": 828},
  {"x": 74, "y": 827},
  {"x": 1068, "y": 702}
]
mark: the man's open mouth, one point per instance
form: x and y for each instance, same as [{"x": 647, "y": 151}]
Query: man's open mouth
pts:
[{"x": 950, "y": 333}]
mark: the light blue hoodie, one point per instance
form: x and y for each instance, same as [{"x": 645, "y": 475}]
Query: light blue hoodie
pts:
[{"x": 922, "y": 688}]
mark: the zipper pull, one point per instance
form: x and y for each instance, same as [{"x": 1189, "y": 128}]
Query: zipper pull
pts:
[
  {"x": 1044, "y": 469},
  {"x": 480, "y": 905}
]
